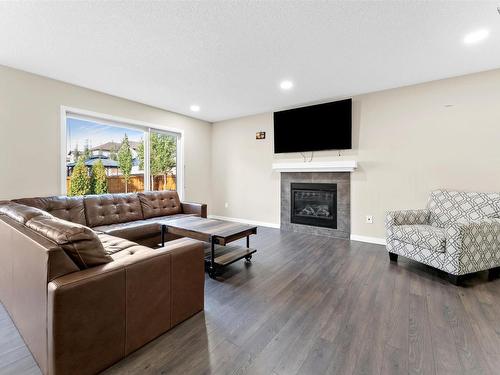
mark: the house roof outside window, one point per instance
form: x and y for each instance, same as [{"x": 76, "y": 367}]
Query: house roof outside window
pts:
[{"x": 115, "y": 146}]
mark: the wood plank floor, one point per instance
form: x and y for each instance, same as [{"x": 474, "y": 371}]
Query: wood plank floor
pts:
[{"x": 315, "y": 305}]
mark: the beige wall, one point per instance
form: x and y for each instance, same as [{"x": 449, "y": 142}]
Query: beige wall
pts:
[
  {"x": 406, "y": 141},
  {"x": 30, "y": 133},
  {"x": 241, "y": 168}
]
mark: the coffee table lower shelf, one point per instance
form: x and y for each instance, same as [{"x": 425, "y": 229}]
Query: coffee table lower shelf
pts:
[
  {"x": 226, "y": 255},
  {"x": 218, "y": 234}
]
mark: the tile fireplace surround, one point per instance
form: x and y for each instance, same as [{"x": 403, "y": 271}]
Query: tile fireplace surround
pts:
[{"x": 343, "y": 181}]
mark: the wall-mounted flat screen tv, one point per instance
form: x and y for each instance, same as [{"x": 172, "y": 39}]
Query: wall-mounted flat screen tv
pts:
[{"x": 318, "y": 127}]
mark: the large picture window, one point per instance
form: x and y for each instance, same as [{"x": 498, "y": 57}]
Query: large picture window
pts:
[{"x": 109, "y": 155}]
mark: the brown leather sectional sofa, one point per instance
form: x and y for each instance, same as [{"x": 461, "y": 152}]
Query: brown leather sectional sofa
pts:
[{"x": 82, "y": 286}]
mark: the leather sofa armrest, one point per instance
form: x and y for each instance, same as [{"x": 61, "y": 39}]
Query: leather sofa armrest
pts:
[
  {"x": 188, "y": 278},
  {"x": 87, "y": 319},
  {"x": 199, "y": 209}
]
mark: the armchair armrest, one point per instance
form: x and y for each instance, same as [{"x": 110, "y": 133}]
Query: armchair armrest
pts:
[
  {"x": 404, "y": 217},
  {"x": 473, "y": 245},
  {"x": 407, "y": 217},
  {"x": 199, "y": 209}
]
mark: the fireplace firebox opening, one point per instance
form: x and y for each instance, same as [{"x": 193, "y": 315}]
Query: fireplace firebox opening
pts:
[{"x": 314, "y": 204}]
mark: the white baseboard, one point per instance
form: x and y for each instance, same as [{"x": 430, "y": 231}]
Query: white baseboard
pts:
[
  {"x": 245, "y": 221},
  {"x": 375, "y": 240},
  {"x": 354, "y": 237}
]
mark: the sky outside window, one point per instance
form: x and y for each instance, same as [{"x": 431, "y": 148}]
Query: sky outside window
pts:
[{"x": 79, "y": 132}]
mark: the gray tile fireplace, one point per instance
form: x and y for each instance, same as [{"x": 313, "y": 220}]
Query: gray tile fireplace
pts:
[{"x": 316, "y": 203}]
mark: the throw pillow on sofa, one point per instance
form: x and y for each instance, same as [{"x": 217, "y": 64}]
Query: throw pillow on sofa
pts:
[{"x": 80, "y": 242}]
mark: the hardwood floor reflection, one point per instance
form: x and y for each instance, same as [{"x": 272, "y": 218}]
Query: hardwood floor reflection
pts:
[{"x": 316, "y": 305}]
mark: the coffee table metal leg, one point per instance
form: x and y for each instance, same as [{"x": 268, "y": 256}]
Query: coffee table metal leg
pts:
[
  {"x": 211, "y": 269},
  {"x": 163, "y": 228},
  {"x": 248, "y": 257}
]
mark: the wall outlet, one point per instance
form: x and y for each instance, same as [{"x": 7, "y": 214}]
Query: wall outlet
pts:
[
  {"x": 369, "y": 219},
  {"x": 226, "y": 205}
]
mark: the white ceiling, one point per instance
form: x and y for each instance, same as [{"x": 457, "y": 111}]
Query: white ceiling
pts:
[{"x": 229, "y": 57}]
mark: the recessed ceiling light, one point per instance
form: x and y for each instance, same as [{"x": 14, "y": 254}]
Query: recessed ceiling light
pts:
[
  {"x": 476, "y": 36},
  {"x": 286, "y": 85},
  {"x": 195, "y": 108}
]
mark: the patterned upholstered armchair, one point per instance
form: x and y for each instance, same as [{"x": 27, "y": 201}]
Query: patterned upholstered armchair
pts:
[{"x": 458, "y": 233}]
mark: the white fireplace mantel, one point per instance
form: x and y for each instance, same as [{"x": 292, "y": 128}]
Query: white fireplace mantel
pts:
[{"x": 317, "y": 166}]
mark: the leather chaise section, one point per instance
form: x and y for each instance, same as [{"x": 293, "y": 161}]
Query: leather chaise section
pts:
[
  {"x": 63, "y": 207},
  {"x": 112, "y": 209},
  {"x": 125, "y": 303}
]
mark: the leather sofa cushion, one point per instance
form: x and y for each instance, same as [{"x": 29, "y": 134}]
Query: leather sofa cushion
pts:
[
  {"x": 119, "y": 248},
  {"x": 425, "y": 236},
  {"x": 170, "y": 217},
  {"x": 128, "y": 248},
  {"x": 114, "y": 244},
  {"x": 80, "y": 243},
  {"x": 66, "y": 208},
  {"x": 133, "y": 230},
  {"x": 20, "y": 212},
  {"x": 160, "y": 203},
  {"x": 112, "y": 209},
  {"x": 138, "y": 230}
]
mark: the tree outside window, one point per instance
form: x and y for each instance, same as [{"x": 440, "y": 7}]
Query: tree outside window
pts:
[
  {"x": 163, "y": 158},
  {"x": 125, "y": 161},
  {"x": 105, "y": 158}
]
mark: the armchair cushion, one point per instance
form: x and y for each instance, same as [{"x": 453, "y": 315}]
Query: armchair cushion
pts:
[{"x": 426, "y": 236}]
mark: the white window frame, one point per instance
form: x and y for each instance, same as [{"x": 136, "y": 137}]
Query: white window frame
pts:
[{"x": 111, "y": 120}]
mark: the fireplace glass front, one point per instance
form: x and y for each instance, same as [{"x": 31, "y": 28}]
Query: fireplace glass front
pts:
[{"x": 314, "y": 204}]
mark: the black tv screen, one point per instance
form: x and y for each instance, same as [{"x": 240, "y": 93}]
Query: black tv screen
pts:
[{"x": 318, "y": 127}]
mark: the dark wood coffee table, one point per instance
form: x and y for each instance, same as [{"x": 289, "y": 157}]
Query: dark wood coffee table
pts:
[{"x": 215, "y": 232}]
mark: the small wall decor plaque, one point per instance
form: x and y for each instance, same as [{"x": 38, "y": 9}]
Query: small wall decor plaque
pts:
[{"x": 260, "y": 135}]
